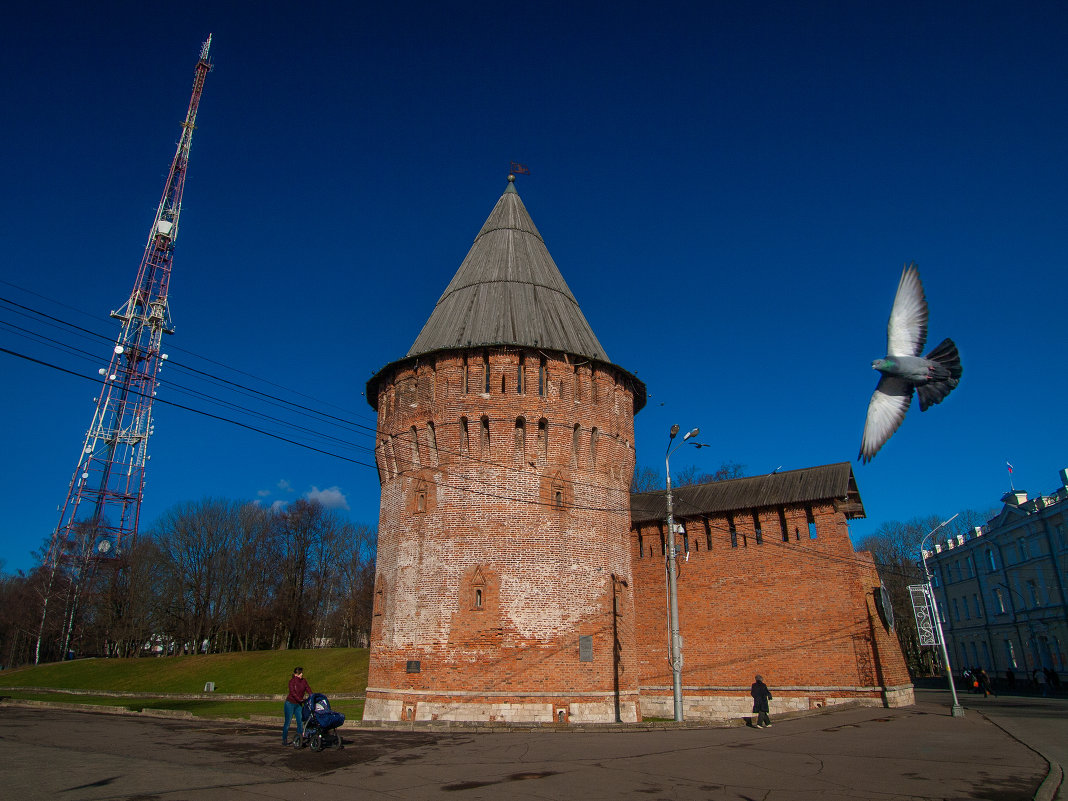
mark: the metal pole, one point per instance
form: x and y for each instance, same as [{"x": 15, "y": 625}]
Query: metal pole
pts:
[
  {"x": 956, "y": 710},
  {"x": 673, "y": 599}
]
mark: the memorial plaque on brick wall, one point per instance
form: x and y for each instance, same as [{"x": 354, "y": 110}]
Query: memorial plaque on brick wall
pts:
[
  {"x": 413, "y": 666},
  {"x": 586, "y": 649}
]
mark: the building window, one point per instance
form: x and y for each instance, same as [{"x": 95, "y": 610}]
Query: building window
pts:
[
  {"x": 543, "y": 436},
  {"x": 519, "y": 374},
  {"x": 1010, "y": 654},
  {"x": 484, "y": 435},
  {"x": 432, "y": 442},
  {"x": 757, "y": 529},
  {"x": 967, "y": 614},
  {"x": 576, "y": 386},
  {"x": 520, "y": 437},
  {"x": 811, "y": 523},
  {"x": 420, "y": 496},
  {"x": 733, "y": 530},
  {"x": 594, "y": 434},
  {"x": 556, "y": 492},
  {"x": 784, "y": 527},
  {"x": 641, "y": 546},
  {"x": 575, "y": 442},
  {"x": 415, "y": 447},
  {"x": 956, "y": 610},
  {"x": 971, "y": 566},
  {"x": 999, "y": 600},
  {"x": 465, "y": 375},
  {"x": 464, "y": 442},
  {"x": 708, "y": 535},
  {"x": 1032, "y": 589},
  {"x": 991, "y": 560},
  {"x": 542, "y": 378},
  {"x": 485, "y": 372},
  {"x": 1021, "y": 546},
  {"x": 478, "y": 599}
]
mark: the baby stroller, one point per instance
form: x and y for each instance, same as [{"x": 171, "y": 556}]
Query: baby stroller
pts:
[{"x": 320, "y": 723}]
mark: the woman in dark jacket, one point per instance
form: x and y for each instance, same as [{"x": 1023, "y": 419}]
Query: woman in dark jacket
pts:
[{"x": 761, "y": 696}]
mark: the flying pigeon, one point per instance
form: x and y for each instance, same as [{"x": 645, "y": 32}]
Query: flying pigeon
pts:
[{"x": 934, "y": 377}]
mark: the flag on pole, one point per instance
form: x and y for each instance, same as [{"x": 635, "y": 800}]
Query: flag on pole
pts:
[{"x": 1009, "y": 466}]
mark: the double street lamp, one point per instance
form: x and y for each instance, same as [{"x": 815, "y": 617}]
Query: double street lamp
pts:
[
  {"x": 956, "y": 710},
  {"x": 673, "y": 573}
]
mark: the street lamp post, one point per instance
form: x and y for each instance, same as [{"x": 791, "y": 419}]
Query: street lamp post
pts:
[
  {"x": 956, "y": 710},
  {"x": 672, "y": 571}
]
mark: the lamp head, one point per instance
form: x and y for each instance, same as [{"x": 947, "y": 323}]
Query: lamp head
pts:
[
  {"x": 693, "y": 433},
  {"x": 675, "y": 431}
]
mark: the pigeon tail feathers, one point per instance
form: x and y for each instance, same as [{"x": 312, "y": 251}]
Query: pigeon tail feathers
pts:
[{"x": 947, "y": 371}]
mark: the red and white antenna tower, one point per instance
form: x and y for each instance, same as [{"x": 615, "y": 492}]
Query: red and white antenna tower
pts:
[{"x": 100, "y": 515}]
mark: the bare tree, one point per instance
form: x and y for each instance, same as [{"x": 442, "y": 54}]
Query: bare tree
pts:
[{"x": 648, "y": 479}]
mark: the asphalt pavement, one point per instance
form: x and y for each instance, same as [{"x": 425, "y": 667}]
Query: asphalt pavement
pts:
[{"x": 1005, "y": 748}]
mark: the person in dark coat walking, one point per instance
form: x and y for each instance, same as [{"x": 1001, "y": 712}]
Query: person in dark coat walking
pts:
[{"x": 761, "y": 696}]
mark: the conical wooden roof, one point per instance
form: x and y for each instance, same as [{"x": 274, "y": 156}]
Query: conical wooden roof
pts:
[{"x": 508, "y": 291}]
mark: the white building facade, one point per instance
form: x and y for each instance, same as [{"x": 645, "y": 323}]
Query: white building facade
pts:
[{"x": 1001, "y": 588}]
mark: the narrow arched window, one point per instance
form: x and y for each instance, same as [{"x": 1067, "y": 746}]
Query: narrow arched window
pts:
[
  {"x": 465, "y": 444},
  {"x": 485, "y": 372},
  {"x": 594, "y": 435},
  {"x": 556, "y": 491},
  {"x": 542, "y": 377},
  {"x": 415, "y": 447},
  {"x": 576, "y": 386},
  {"x": 520, "y": 437},
  {"x": 543, "y": 437},
  {"x": 466, "y": 375},
  {"x": 575, "y": 442},
  {"x": 519, "y": 388},
  {"x": 478, "y": 599},
  {"x": 484, "y": 435},
  {"x": 432, "y": 442},
  {"x": 420, "y": 496}
]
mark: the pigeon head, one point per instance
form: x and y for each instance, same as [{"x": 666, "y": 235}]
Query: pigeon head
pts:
[{"x": 883, "y": 364}]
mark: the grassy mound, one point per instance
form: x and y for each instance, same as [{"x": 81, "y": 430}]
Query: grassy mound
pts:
[{"x": 328, "y": 670}]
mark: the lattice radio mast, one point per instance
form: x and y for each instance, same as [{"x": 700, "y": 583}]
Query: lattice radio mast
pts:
[{"x": 99, "y": 517}]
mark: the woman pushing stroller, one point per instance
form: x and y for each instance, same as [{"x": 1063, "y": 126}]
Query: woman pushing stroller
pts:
[{"x": 298, "y": 691}]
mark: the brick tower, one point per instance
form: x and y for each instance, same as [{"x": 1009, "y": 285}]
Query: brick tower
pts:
[{"x": 505, "y": 451}]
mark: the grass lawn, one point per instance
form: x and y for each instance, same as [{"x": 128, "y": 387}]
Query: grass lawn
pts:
[{"x": 328, "y": 670}]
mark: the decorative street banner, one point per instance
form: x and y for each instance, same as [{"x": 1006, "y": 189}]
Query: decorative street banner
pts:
[{"x": 923, "y": 609}]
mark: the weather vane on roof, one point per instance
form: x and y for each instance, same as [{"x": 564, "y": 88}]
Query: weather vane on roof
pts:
[{"x": 520, "y": 169}]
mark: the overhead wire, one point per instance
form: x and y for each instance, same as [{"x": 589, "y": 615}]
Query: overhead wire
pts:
[{"x": 321, "y": 416}]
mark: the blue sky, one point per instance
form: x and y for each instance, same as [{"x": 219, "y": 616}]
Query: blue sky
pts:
[{"x": 729, "y": 189}]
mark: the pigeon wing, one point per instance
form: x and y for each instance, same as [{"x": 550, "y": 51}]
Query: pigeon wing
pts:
[
  {"x": 886, "y": 410},
  {"x": 907, "y": 330}
]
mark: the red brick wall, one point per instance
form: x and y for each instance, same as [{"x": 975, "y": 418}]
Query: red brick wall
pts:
[
  {"x": 801, "y": 613},
  {"x": 460, "y": 516}
]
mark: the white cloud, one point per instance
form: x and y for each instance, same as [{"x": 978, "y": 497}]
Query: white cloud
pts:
[
  {"x": 263, "y": 493},
  {"x": 331, "y": 497},
  {"x": 285, "y": 486}
]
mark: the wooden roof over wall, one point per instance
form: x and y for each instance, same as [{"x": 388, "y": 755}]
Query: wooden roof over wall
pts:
[{"x": 832, "y": 482}]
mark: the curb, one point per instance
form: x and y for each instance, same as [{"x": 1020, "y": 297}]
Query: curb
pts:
[{"x": 1046, "y": 791}]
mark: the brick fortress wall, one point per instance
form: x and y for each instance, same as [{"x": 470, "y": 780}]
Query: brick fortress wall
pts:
[
  {"x": 503, "y": 587},
  {"x": 797, "y": 609}
]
